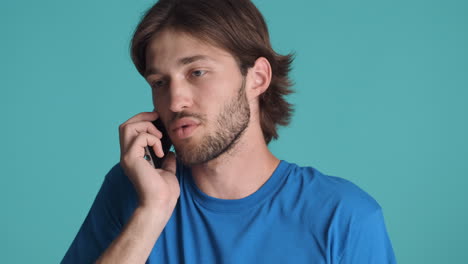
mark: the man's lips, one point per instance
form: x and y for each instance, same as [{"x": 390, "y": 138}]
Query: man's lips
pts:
[
  {"x": 183, "y": 123},
  {"x": 185, "y": 131}
]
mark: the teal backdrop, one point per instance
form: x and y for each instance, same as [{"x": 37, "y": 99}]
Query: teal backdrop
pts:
[{"x": 381, "y": 100}]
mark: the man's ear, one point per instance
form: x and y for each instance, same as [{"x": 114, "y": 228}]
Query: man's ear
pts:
[{"x": 260, "y": 77}]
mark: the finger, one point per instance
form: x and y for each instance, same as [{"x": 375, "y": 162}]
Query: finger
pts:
[
  {"x": 130, "y": 131},
  {"x": 143, "y": 126},
  {"x": 137, "y": 147},
  {"x": 154, "y": 130},
  {"x": 125, "y": 138},
  {"x": 169, "y": 163},
  {"x": 143, "y": 116}
]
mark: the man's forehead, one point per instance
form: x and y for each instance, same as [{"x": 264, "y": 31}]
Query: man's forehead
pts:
[
  {"x": 179, "y": 55},
  {"x": 152, "y": 69},
  {"x": 171, "y": 40},
  {"x": 183, "y": 45}
]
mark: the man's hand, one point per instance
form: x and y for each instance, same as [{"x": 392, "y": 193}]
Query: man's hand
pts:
[
  {"x": 155, "y": 187},
  {"x": 158, "y": 191}
]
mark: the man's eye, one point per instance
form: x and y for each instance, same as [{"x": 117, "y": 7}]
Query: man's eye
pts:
[
  {"x": 198, "y": 73},
  {"x": 157, "y": 84}
]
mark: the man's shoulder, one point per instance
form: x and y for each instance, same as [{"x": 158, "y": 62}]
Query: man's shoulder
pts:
[
  {"x": 116, "y": 175},
  {"x": 348, "y": 218},
  {"x": 335, "y": 192}
]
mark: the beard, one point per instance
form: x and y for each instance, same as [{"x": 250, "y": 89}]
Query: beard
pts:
[{"x": 230, "y": 124}]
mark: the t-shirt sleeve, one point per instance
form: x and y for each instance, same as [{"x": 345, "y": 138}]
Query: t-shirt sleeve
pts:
[
  {"x": 368, "y": 242},
  {"x": 110, "y": 209}
]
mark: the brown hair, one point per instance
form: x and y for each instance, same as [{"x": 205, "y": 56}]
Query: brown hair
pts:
[{"x": 238, "y": 27}]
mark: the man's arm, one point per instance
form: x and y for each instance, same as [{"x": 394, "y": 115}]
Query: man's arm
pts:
[
  {"x": 138, "y": 237},
  {"x": 112, "y": 206},
  {"x": 157, "y": 190},
  {"x": 116, "y": 218}
]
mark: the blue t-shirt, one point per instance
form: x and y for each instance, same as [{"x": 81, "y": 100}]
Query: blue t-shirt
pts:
[{"x": 299, "y": 215}]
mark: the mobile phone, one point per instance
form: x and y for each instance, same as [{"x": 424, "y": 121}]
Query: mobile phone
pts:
[{"x": 150, "y": 156}]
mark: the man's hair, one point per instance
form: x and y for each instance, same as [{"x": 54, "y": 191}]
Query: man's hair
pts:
[{"x": 236, "y": 26}]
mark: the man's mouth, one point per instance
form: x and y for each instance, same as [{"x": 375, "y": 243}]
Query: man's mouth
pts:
[
  {"x": 185, "y": 131},
  {"x": 184, "y": 127}
]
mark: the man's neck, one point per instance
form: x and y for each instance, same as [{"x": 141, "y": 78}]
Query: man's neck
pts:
[{"x": 239, "y": 172}]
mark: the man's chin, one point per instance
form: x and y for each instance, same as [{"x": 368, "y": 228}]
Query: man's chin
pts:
[
  {"x": 187, "y": 159},
  {"x": 187, "y": 152},
  {"x": 185, "y": 144}
]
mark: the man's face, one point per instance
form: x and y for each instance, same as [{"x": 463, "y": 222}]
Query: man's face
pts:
[{"x": 199, "y": 93}]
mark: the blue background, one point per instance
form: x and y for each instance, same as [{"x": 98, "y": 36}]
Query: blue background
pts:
[{"x": 381, "y": 100}]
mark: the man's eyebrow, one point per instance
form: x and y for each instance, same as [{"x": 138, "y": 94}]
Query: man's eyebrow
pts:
[
  {"x": 188, "y": 60},
  {"x": 183, "y": 61}
]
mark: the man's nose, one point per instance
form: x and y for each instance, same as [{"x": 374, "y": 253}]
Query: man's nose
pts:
[{"x": 180, "y": 95}]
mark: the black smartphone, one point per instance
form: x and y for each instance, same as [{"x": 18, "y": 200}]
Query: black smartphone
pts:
[{"x": 154, "y": 160}]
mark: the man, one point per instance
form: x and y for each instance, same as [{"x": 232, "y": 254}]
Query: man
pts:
[{"x": 223, "y": 197}]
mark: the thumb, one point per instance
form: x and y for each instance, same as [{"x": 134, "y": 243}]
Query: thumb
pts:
[{"x": 169, "y": 163}]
